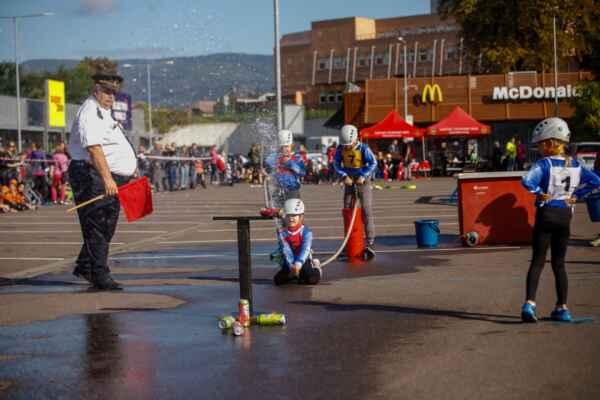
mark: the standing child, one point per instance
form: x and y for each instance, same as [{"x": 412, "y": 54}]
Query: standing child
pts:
[
  {"x": 295, "y": 246},
  {"x": 354, "y": 163},
  {"x": 286, "y": 168},
  {"x": 596, "y": 242},
  {"x": 58, "y": 171},
  {"x": 554, "y": 179}
]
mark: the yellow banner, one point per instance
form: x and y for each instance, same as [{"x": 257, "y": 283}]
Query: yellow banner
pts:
[{"x": 55, "y": 91}]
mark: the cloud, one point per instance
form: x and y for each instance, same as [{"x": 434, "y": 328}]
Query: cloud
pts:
[
  {"x": 138, "y": 52},
  {"x": 96, "y": 7}
]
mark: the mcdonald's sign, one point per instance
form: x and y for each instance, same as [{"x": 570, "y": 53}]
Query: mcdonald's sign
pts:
[{"x": 432, "y": 94}]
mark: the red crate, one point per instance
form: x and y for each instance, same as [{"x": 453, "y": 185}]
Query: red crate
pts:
[{"x": 496, "y": 206}]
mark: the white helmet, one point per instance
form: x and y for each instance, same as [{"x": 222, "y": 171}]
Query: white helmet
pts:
[
  {"x": 293, "y": 207},
  {"x": 348, "y": 135},
  {"x": 551, "y": 128},
  {"x": 285, "y": 137}
]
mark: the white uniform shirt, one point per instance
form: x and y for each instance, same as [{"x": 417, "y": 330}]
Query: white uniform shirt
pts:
[{"x": 95, "y": 125}]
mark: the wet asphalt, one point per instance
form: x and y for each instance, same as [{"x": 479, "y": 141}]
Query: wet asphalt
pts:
[{"x": 328, "y": 350}]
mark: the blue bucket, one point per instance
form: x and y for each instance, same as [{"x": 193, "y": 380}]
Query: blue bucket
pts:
[
  {"x": 428, "y": 231},
  {"x": 593, "y": 206}
]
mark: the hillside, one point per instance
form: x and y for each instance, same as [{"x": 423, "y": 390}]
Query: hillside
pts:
[{"x": 178, "y": 81}]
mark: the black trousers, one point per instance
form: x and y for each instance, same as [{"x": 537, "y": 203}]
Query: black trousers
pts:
[
  {"x": 308, "y": 274},
  {"x": 98, "y": 220},
  {"x": 552, "y": 229}
]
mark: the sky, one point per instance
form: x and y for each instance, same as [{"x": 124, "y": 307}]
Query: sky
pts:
[{"x": 121, "y": 29}]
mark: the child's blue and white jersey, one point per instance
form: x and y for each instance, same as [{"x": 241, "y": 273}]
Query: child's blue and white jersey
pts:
[
  {"x": 295, "y": 244},
  {"x": 550, "y": 176},
  {"x": 286, "y": 170},
  {"x": 354, "y": 161}
]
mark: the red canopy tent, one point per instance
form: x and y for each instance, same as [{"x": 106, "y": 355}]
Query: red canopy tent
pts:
[
  {"x": 391, "y": 127},
  {"x": 458, "y": 123}
]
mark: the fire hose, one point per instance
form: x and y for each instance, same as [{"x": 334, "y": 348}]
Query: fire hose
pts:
[
  {"x": 337, "y": 253},
  {"x": 268, "y": 204}
]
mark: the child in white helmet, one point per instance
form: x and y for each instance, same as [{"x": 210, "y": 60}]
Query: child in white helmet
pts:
[
  {"x": 556, "y": 179},
  {"x": 286, "y": 169},
  {"x": 354, "y": 163},
  {"x": 295, "y": 246}
]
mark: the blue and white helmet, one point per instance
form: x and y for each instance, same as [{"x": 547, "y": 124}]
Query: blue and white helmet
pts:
[
  {"x": 293, "y": 207},
  {"x": 348, "y": 135},
  {"x": 285, "y": 137},
  {"x": 551, "y": 128}
]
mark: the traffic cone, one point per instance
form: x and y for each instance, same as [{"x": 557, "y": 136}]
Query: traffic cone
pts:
[{"x": 355, "y": 247}]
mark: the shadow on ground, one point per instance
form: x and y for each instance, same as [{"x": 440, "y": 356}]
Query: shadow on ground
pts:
[{"x": 494, "y": 318}]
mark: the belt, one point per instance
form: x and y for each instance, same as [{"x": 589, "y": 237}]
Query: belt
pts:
[{"x": 85, "y": 163}]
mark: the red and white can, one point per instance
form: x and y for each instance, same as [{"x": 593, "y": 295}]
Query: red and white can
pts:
[{"x": 244, "y": 312}]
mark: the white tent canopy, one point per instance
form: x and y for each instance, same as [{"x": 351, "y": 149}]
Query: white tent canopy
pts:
[{"x": 204, "y": 135}]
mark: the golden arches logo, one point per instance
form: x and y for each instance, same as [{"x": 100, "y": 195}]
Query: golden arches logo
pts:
[{"x": 432, "y": 94}]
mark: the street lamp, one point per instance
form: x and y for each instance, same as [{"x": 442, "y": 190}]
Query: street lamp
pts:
[
  {"x": 149, "y": 94},
  {"x": 401, "y": 40},
  {"x": 556, "y": 106},
  {"x": 15, "y": 19},
  {"x": 278, "y": 65}
]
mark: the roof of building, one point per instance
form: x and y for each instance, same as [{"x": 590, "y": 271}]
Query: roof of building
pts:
[
  {"x": 205, "y": 106},
  {"x": 204, "y": 135}
]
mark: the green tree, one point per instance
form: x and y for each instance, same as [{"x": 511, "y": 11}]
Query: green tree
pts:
[
  {"x": 78, "y": 81},
  {"x": 586, "y": 120},
  {"x": 517, "y": 34}
]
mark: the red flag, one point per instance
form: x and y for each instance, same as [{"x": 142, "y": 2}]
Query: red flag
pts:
[{"x": 136, "y": 199}]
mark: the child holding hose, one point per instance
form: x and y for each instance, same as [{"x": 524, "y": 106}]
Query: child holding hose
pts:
[
  {"x": 556, "y": 180},
  {"x": 354, "y": 162}
]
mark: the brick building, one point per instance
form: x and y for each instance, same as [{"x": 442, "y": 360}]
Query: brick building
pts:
[{"x": 320, "y": 62}]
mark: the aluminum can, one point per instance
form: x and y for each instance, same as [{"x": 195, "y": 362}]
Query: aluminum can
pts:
[
  {"x": 226, "y": 322},
  {"x": 238, "y": 328},
  {"x": 244, "y": 312},
  {"x": 271, "y": 319}
]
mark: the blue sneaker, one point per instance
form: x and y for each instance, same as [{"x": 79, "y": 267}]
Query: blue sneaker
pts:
[
  {"x": 528, "y": 313},
  {"x": 561, "y": 315}
]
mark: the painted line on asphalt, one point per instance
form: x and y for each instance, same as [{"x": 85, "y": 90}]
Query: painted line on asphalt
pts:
[
  {"x": 385, "y": 251},
  {"x": 134, "y": 258},
  {"x": 32, "y": 258},
  {"x": 79, "y": 231},
  {"x": 315, "y": 227},
  {"x": 51, "y": 243}
]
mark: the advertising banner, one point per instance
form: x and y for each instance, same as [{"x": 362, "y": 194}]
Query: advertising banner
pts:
[
  {"x": 121, "y": 110},
  {"x": 55, "y": 98}
]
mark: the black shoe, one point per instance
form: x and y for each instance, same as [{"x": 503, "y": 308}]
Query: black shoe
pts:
[
  {"x": 311, "y": 277},
  {"x": 369, "y": 252},
  {"x": 83, "y": 273},
  {"x": 282, "y": 277},
  {"x": 106, "y": 283}
]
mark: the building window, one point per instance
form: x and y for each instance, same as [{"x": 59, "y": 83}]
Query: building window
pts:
[
  {"x": 323, "y": 64},
  {"x": 322, "y": 98},
  {"x": 339, "y": 97},
  {"x": 381, "y": 59},
  {"x": 331, "y": 98},
  {"x": 363, "y": 61},
  {"x": 424, "y": 55},
  {"x": 452, "y": 53},
  {"x": 339, "y": 63}
]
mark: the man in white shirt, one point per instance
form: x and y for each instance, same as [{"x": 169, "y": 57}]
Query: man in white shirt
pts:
[{"x": 102, "y": 160}]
